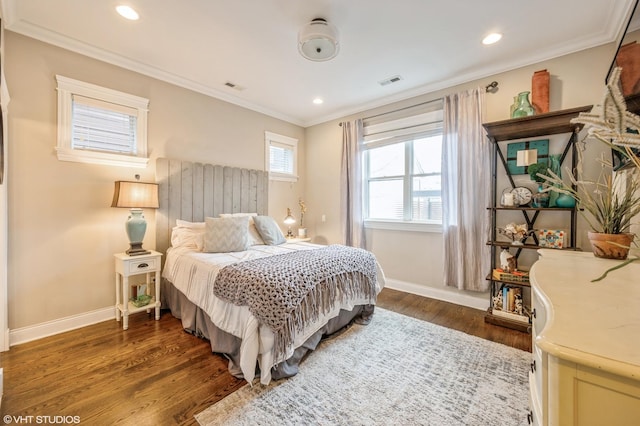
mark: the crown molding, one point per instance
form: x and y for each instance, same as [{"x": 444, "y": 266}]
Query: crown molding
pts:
[{"x": 59, "y": 40}]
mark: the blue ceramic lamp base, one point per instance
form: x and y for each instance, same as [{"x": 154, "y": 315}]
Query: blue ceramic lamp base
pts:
[{"x": 136, "y": 227}]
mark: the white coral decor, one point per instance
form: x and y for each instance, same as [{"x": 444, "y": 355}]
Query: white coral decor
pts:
[{"x": 516, "y": 232}]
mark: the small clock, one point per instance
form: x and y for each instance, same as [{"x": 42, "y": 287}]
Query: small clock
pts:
[{"x": 522, "y": 195}]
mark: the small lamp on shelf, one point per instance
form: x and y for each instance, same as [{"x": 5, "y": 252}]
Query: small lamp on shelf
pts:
[
  {"x": 289, "y": 220},
  {"x": 135, "y": 196}
]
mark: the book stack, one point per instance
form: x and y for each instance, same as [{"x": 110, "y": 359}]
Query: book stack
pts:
[
  {"x": 509, "y": 304},
  {"x": 516, "y": 276},
  {"x": 510, "y": 315}
]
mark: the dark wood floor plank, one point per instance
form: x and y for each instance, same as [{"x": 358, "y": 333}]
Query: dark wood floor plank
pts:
[{"x": 154, "y": 373}]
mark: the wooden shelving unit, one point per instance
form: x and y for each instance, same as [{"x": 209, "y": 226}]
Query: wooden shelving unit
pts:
[{"x": 553, "y": 123}]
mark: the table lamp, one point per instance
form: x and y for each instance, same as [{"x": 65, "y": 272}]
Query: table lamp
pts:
[
  {"x": 135, "y": 196},
  {"x": 289, "y": 220}
]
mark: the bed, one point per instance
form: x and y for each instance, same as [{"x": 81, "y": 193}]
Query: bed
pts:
[{"x": 219, "y": 293}]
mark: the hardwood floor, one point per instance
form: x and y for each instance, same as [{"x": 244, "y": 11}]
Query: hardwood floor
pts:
[{"x": 156, "y": 374}]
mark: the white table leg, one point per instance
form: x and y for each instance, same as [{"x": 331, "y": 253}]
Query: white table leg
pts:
[
  {"x": 125, "y": 303},
  {"x": 157, "y": 289},
  {"x": 117, "y": 296}
]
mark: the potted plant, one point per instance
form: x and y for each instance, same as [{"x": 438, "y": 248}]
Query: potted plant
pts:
[{"x": 612, "y": 201}]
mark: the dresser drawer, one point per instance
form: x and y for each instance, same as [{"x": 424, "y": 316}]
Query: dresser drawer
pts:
[{"x": 143, "y": 265}]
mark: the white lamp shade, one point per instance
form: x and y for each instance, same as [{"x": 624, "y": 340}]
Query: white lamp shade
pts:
[
  {"x": 135, "y": 195},
  {"x": 289, "y": 219}
]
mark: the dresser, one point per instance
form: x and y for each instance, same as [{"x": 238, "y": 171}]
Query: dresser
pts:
[{"x": 585, "y": 367}]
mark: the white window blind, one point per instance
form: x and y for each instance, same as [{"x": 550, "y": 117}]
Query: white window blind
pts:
[
  {"x": 280, "y": 158},
  {"x": 281, "y": 154},
  {"x": 418, "y": 121},
  {"x": 103, "y": 126}
]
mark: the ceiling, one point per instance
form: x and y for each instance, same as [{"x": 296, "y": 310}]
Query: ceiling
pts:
[{"x": 203, "y": 44}]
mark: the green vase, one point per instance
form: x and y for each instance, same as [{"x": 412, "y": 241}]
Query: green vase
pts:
[
  {"x": 524, "y": 107},
  {"x": 513, "y": 107}
]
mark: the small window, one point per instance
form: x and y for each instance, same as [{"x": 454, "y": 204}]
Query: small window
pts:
[
  {"x": 101, "y": 126},
  {"x": 281, "y": 157}
]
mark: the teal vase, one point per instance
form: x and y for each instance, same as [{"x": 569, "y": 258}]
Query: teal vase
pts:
[
  {"x": 565, "y": 201},
  {"x": 524, "y": 107}
]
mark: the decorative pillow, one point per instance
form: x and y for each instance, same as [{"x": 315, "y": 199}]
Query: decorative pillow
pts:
[
  {"x": 254, "y": 235},
  {"x": 269, "y": 230},
  {"x": 226, "y": 234},
  {"x": 188, "y": 234}
]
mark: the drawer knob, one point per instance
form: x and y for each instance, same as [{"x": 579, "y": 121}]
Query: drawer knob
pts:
[{"x": 143, "y": 265}]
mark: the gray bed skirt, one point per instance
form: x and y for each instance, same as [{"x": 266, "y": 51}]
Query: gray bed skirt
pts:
[{"x": 197, "y": 322}]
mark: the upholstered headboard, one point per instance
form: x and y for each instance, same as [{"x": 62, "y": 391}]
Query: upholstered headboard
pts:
[{"x": 192, "y": 191}]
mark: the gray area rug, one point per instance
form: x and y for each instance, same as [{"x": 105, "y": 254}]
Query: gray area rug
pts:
[{"x": 395, "y": 371}]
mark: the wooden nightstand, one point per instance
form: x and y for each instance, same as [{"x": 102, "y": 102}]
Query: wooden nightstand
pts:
[{"x": 127, "y": 266}]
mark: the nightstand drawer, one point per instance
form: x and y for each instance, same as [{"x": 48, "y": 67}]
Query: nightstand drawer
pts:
[{"x": 143, "y": 265}]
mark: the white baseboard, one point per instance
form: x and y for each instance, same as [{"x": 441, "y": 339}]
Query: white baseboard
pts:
[
  {"x": 50, "y": 328},
  {"x": 447, "y": 294}
]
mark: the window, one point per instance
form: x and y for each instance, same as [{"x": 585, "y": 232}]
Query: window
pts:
[
  {"x": 402, "y": 167},
  {"x": 281, "y": 157},
  {"x": 101, "y": 126}
]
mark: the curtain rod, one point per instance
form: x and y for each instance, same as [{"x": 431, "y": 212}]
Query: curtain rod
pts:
[{"x": 490, "y": 88}]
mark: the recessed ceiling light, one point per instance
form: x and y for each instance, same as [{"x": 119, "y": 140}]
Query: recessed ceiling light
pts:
[
  {"x": 318, "y": 101},
  {"x": 128, "y": 12},
  {"x": 492, "y": 38}
]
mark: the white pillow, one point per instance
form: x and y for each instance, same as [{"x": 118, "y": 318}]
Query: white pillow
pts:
[
  {"x": 226, "y": 234},
  {"x": 188, "y": 234},
  {"x": 254, "y": 235},
  {"x": 191, "y": 225}
]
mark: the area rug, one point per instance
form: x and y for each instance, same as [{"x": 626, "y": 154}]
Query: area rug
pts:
[{"x": 395, "y": 371}]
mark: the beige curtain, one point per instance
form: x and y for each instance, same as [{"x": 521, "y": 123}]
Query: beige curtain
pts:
[
  {"x": 466, "y": 192},
  {"x": 351, "y": 184}
]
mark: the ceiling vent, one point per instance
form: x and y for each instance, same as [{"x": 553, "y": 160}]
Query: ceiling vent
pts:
[
  {"x": 318, "y": 41},
  {"x": 390, "y": 80},
  {"x": 233, "y": 86}
]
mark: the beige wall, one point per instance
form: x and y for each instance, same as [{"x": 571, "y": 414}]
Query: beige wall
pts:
[
  {"x": 62, "y": 232},
  {"x": 416, "y": 257}
]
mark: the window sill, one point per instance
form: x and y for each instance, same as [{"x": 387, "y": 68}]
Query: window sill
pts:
[
  {"x": 403, "y": 226},
  {"x": 92, "y": 157},
  {"x": 283, "y": 178}
]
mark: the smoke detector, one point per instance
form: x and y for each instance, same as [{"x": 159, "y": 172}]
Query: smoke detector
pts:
[{"x": 318, "y": 40}]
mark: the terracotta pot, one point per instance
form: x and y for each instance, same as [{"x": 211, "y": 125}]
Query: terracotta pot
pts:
[{"x": 602, "y": 245}]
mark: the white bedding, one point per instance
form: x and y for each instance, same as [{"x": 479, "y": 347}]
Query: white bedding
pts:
[{"x": 193, "y": 273}]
